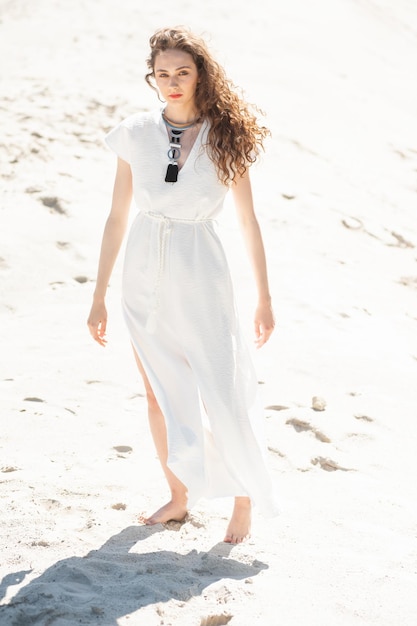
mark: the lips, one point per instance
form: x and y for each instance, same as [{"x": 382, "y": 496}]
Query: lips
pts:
[{"x": 175, "y": 95}]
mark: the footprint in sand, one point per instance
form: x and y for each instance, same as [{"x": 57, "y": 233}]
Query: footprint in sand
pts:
[
  {"x": 329, "y": 465},
  {"x": 63, "y": 245},
  {"x": 276, "y": 451},
  {"x": 33, "y": 189},
  {"x": 400, "y": 241},
  {"x": 50, "y": 504},
  {"x": 194, "y": 520},
  {"x": 120, "y": 506},
  {"x": 215, "y": 620},
  {"x": 385, "y": 235},
  {"x": 365, "y": 418},
  {"x": 53, "y": 203},
  {"x": 123, "y": 449},
  {"x": 408, "y": 281},
  {"x": 353, "y": 223},
  {"x": 300, "y": 426},
  {"x": 276, "y": 407}
]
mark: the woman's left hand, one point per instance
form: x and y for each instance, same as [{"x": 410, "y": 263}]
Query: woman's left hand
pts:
[{"x": 264, "y": 324}]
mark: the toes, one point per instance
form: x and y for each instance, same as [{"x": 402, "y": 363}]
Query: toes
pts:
[
  {"x": 235, "y": 539},
  {"x": 145, "y": 520}
]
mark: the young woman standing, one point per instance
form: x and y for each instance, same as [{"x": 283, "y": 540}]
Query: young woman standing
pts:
[{"x": 179, "y": 162}]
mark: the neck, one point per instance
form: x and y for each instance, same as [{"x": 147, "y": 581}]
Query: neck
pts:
[{"x": 180, "y": 118}]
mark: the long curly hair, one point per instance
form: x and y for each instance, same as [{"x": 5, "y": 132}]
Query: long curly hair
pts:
[{"x": 235, "y": 137}]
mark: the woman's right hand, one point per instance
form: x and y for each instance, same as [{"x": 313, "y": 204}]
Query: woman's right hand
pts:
[{"x": 97, "y": 322}]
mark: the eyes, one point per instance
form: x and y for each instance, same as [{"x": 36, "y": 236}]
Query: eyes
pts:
[{"x": 166, "y": 75}]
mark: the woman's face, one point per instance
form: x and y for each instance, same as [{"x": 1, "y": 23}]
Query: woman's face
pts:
[{"x": 176, "y": 77}]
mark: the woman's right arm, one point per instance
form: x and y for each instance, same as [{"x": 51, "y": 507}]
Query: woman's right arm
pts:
[{"x": 114, "y": 231}]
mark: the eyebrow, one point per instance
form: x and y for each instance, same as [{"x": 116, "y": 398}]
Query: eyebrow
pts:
[{"x": 182, "y": 67}]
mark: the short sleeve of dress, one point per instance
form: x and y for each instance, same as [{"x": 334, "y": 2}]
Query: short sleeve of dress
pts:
[{"x": 119, "y": 140}]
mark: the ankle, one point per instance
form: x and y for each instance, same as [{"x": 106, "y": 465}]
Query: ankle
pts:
[
  {"x": 243, "y": 502},
  {"x": 179, "y": 496}
]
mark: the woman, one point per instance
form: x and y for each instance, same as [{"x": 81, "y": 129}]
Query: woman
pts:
[{"x": 179, "y": 163}]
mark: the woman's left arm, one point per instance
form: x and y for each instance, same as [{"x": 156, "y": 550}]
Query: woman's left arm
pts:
[{"x": 264, "y": 315}]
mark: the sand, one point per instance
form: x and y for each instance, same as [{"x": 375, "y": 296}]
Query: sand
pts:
[{"x": 336, "y": 199}]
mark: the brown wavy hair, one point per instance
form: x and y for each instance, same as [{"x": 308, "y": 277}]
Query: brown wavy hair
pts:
[{"x": 235, "y": 137}]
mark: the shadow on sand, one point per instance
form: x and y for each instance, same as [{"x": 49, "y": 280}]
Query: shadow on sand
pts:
[{"x": 111, "y": 582}]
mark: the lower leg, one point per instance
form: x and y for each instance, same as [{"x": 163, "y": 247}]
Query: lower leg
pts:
[
  {"x": 240, "y": 523},
  {"x": 176, "y": 508}
]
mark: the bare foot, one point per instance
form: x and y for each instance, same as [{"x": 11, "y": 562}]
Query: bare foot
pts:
[
  {"x": 173, "y": 510},
  {"x": 240, "y": 522}
]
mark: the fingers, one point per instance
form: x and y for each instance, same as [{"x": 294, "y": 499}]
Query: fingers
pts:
[
  {"x": 262, "y": 334},
  {"x": 259, "y": 334},
  {"x": 100, "y": 335},
  {"x": 260, "y": 341},
  {"x": 102, "y": 329},
  {"x": 98, "y": 330},
  {"x": 264, "y": 321}
]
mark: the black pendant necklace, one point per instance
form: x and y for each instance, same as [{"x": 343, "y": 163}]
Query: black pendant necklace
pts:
[
  {"x": 174, "y": 151},
  {"x": 174, "y": 154}
]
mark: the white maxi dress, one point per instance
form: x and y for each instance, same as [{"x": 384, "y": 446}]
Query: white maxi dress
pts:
[{"x": 179, "y": 307}]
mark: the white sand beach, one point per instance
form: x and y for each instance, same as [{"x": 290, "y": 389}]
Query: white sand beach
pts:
[{"x": 336, "y": 195}]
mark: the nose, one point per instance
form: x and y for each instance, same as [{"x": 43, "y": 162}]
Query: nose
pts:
[{"x": 173, "y": 81}]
